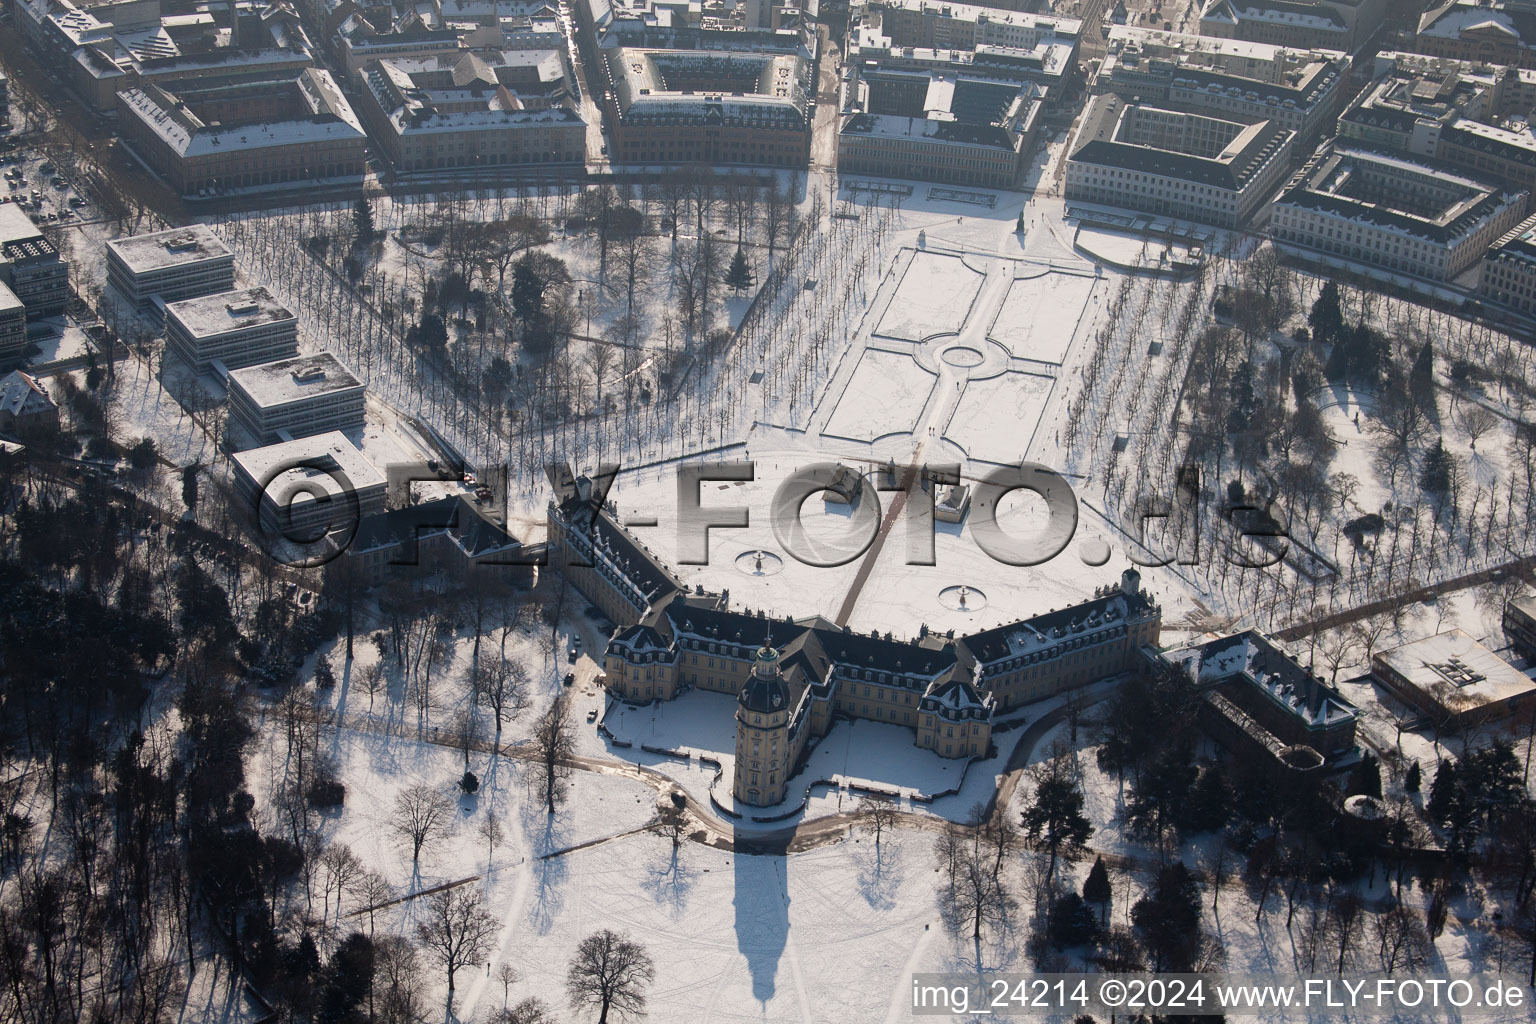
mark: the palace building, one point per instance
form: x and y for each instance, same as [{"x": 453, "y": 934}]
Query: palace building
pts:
[{"x": 794, "y": 677}]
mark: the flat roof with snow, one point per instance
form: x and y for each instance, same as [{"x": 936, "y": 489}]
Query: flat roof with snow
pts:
[
  {"x": 162, "y": 250},
  {"x": 220, "y": 313},
  {"x": 293, "y": 379},
  {"x": 289, "y": 471},
  {"x": 1457, "y": 672}
]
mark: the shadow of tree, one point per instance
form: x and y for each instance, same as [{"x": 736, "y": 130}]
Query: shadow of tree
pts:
[{"x": 881, "y": 869}]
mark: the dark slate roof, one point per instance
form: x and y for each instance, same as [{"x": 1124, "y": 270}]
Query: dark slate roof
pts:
[
  {"x": 765, "y": 694},
  {"x": 472, "y": 532},
  {"x": 1491, "y": 145},
  {"x": 992, "y": 645}
]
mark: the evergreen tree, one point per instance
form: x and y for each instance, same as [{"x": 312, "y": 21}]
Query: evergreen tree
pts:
[
  {"x": 362, "y": 220},
  {"x": 1365, "y": 779},
  {"x": 1072, "y": 921},
  {"x": 1055, "y": 819},
  {"x": 739, "y": 276},
  {"x": 1442, "y": 791},
  {"x": 1326, "y": 318},
  {"x": 1421, "y": 378},
  {"x": 1414, "y": 780},
  {"x": 1210, "y": 802},
  {"x": 1096, "y": 887},
  {"x": 1435, "y": 477},
  {"x": 1168, "y": 919}
]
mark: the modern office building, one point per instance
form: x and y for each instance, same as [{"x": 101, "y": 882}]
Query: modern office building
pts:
[
  {"x": 30, "y": 265},
  {"x": 1173, "y": 164},
  {"x": 180, "y": 263},
  {"x": 305, "y": 488},
  {"x": 235, "y": 329},
  {"x": 210, "y": 134},
  {"x": 296, "y": 397},
  {"x": 1509, "y": 270},
  {"x": 13, "y": 327},
  {"x": 1402, "y": 215},
  {"x": 1452, "y": 679}
]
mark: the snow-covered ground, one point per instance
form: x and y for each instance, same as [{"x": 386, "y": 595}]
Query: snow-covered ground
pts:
[{"x": 935, "y": 297}]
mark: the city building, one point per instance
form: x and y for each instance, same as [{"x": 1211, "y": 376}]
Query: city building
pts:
[
  {"x": 715, "y": 107},
  {"x": 448, "y": 535},
  {"x": 1042, "y": 47},
  {"x": 1520, "y": 625},
  {"x": 25, "y": 406},
  {"x": 1403, "y": 215},
  {"x": 306, "y": 488},
  {"x": 1470, "y": 117},
  {"x": 1452, "y": 679},
  {"x": 1347, "y": 25},
  {"x": 473, "y": 111},
  {"x": 234, "y": 329},
  {"x": 210, "y": 134},
  {"x": 180, "y": 263},
  {"x": 1188, "y": 166},
  {"x": 13, "y": 327},
  {"x": 296, "y": 397},
  {"x": 1258, "y": 684},
  {"x": 1487, "y": 31},
  {"x": 30, "y": 265},
  {"x": 100, "y": 49},
  {"x": 957, "y": 129},
  {"x": 1299, "y": 90},
  {"x": 1509, "y": 270}
]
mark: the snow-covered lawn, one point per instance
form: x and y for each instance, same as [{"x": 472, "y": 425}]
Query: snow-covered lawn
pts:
[
  {"x": 886, "y": 395},
  {"x": 935, "y": 297},
  {"x": 1040, "y": 315},
  {"x": 997, "y": 416}
]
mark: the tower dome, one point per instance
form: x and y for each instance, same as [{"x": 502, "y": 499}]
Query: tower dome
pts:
[{"x": 765, "y": 692}]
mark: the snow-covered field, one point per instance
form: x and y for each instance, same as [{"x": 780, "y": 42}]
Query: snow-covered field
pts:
[
  {"x": 886, "y": 395},
  {"x": 1040, "y": 315},
  {"x": 935, "y": 297},
  {"x": 997, "y": 416}
]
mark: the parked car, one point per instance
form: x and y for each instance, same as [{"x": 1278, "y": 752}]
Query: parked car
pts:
[
  {"x": 570, "y": 678},
  {"x": 592, "y": 715}
]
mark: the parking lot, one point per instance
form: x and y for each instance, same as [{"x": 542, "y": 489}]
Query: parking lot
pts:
[{"x": 36, "y": 185}]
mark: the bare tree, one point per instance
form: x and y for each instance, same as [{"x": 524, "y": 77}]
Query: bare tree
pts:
[
  {"x": 501, "y": 686},
  {"x": 422, "y": 815},
  {"x": 397, "y": 983},
  {"x": 877, "y": 815},
  {"x": 554, "y": 742},
  {"x": 373, "y": 890},
  {"x": 532, "y": 1010},
  {"x": 490, "y": 830},
  {"x": 609, "y": 974},
  {"x": 1475, "y": 420},
  {"x": 457, "y": 930}
]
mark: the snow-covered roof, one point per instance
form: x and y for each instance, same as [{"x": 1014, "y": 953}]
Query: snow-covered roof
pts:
[
  {"x": 290, "y": 471},
  {"x": 1456, "y": 671},
  {"x": 160, "y": 250},
  {"x": 210, "y": 315},
  {"x": 22, "y": 395},
  {"x": 293, "y": 379},
  {"x": 323, "y": 115}
]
